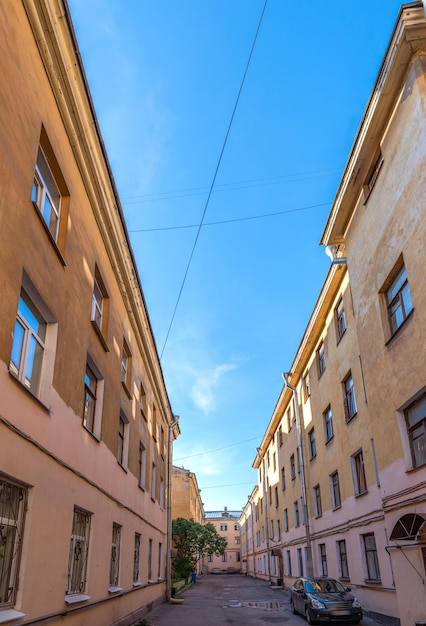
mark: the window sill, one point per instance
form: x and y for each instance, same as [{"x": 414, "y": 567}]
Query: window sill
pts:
[
  {"x": 361, "y": 493},
  {"x": 340, "y": 337},
  {"x": 373, "y": 581},
  {"x": 49, "y": 234},
  {"x": 114, "y": 589},
  {"x": 151, "y": 582},
  {"x": 126, "y": 389},
  {"x": 76, "y": 597},
  {"x": 7, "y": 615},
  {"x": 399, "y": 329},
  {"x": 100, "y": 336},
  {"x": 136, "y": 585},
  {"x": 351, "y": 418},
  {"x": 336, "y": 508},
  {"x": 330, "y": 439},
  {"x": 29, "y": 392}
]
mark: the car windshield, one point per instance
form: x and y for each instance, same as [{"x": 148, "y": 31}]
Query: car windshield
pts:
[{"x": 325, "y": 586}]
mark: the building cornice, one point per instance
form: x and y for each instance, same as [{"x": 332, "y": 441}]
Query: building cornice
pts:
[
  {"x": 408, "y": 39},
  {"x": 52, "y": 27}
]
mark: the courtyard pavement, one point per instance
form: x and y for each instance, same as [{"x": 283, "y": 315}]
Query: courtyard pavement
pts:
[{"x": 231, "y": 599}]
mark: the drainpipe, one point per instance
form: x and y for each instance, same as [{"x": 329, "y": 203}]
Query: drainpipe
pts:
[
  {"x": 265, "y": 499},
  {"x": 252, "y": 507},
  {"x": 169, "y": 510},
  {"x": 309, "y": 563}
]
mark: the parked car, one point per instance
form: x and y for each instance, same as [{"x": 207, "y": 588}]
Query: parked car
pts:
[
  {"x": 324, "y": 599},
  {"x": 215, "y": 570}
]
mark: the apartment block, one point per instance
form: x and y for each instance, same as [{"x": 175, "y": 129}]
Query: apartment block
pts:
[
  {"x": 342, "y": 463},
  {"x": 85, "y": 420},
  {"x": 227, "y": 525}
]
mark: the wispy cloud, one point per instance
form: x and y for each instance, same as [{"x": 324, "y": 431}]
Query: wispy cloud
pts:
[{"x": 204, "y": 389}]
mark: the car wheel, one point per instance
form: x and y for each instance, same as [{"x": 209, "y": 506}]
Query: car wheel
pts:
[{"x": 309, "y": 617}]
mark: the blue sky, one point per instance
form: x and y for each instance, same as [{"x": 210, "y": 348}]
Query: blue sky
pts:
[{"x": 164, "y": 77}]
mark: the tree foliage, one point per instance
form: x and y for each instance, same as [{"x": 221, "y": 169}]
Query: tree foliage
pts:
[{"x": 193, "y": 540}]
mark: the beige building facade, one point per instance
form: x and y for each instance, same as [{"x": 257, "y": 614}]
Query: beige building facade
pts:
[
  {"x": 186, "y": 496},
  {"x": 227, "y": 525},
  {"x": 342, "y": 464},
  {"x": 85, "y": 420}
]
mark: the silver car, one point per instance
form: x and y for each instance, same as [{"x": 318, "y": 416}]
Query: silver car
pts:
[{"x": 324, "y": 599}]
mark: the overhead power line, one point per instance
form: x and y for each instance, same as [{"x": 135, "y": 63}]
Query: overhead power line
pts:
[
  {"x": 213, "y": 180},
  {"x": 231, "y": 485},
  {"x": 236, "y": 219},
  {"x": 231, "y": 445}
]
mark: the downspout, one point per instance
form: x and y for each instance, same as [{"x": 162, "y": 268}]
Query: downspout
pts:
[
  {"x": 252, "y": 506},
  {"x": 265, "y": 498},
  {"x": 169, "y": 510},
  {"x": 309, "y": 563}
]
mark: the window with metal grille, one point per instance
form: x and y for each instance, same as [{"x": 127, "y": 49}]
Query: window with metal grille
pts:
[
  {"x": 114, "y": 570},
  {"x": 343, "y": 559},
  {"x": 349, "y": 400},
  {"x": 12, "y": 510},
  {"x": 136, "y": 557},
  {"x": 415, "y": 416},
  {"x": 79, "y": 550}
]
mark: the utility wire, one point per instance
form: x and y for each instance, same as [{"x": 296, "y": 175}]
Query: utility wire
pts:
[
  {"x": 232, "y": 485},
  {"x": 231, "y": 445},
  {"x": 214, "y": 180},
  {"x": 236, "y": 219}
]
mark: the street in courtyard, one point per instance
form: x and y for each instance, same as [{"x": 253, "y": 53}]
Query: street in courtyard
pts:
[{"x": 231, "y": 599}]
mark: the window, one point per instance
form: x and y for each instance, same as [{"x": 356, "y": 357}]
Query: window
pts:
[
  {"x": 300, "y": 561},
  {"x": 160, "y": 561},
  {"x": 237, "y": 540},
  {"x": 283, "y": 482},
  {"x": 154, "y": 422},
  {"x": 289, "y": 419},
  {"x": 100, "y": 307},
  {"x": 236, "y": 527},
  {"x": 317, "y": 501},
  {"x": 150, "y": 561},
  {"x": 272, "y": 529},
  {"x": 296, "y": 513},
  {"x": 371, "y": 559},
  {"x": 162, "y": 492},
  {"x": 323, "y": 559},
  {"x": 45, "y": 194},
  {"x": 126, "y": 367},
  {"x": 349, "y": 400},
  {"x": 115, "y": 558},
  {"x": 274, "y": 461},
  {"x": 398, "y": 300},
  {"x": 153, "y": 481},
  {"x": 342, "y": 559},
  {"x": 321, "y": 359},
  {"x": 142, "y": 466},
  {"x": 279, "y": 529},
  {"x": 312, "y": 444},
  {"x": 288, "y": 561},
  {"x": 136, "y": 558},
  {"x": 224, "y": 527},
  {"x": 276, "y": 497},
  {"x": 143, "y": 406},
  {"x": 340, "y": 320},
  {"x": 372, "y": 175},
  {"x": 280, "y": 436},
  {"x": 79, "y": 550},
  {"x": 306, "y": 386},
  {"x": 12, "y": 510},
  {"x": 286, "y": 520},
  {"x": 292, "y": 467},
  {"x": 93, "y": 398},
  {"x": 34, "y": 330},
  {"x": 358, "y": 473},
  {"x": 415, "y": 416},
  {"x": 123, "y": 435},
  {"x": 224, "y": 558},
  {"x": 328, "y": 424},
  {"x": 335, "y": 490},
  {"x": 210, "y": 558}
]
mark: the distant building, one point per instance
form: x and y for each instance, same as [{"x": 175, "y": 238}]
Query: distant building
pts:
[
  {"x": 227, "y": 525},
  {"x": 85, "y": 420},
  {"x": 342, "y": 463}
]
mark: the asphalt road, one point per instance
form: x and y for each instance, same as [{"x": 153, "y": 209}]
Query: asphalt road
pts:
[{"x": 231, "y": 599}]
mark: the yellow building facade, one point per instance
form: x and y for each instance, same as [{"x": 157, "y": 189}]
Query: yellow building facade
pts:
[
  {"x": 342, "y": 464},
  {"x": 85, "y": 420},
  {"x": 227, "y": 525},
  {"x": 186, "y": 496}
]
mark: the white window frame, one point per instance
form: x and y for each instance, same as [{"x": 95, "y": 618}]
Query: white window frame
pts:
[
  {"x": 342, "y": 558},
  {"x": 349, "y": 399},
  {"x": 322, "y": 554},
  {"x": 123, "y": 440},
  {"x": 340, "y": 320},
  {"x": 370, "y": 557},
  {"x": 398, "y": 300},
  {"x": 317, "y": 500},
  {"x": 142, "y": 465},
  {"x": 336, "y": 497},
  {"x": 328, "y": 424},
  {"x": 46, "y": 195},
  {"x": 415, "y": 419},
  {"x": 358, "y": 472},
  {"x": 137, "y": 559}
]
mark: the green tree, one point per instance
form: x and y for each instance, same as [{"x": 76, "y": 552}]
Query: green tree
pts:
[{"x": 192, "y": 540}]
